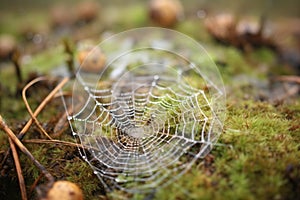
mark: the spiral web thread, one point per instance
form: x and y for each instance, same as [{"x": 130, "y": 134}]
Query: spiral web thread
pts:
[
  {"x": 156, "y": 108},
  {"x": 143, "y": 131}
]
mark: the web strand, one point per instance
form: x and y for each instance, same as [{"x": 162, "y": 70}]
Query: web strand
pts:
[{"x": 138, "y": 132}]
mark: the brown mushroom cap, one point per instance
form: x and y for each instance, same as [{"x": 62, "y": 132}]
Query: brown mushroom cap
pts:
[
  {"x": 7, "y": 45},
  {"x": 64, "y": 190},
  {"x": 61, "y": 15},
  {"x": 165, "y": 12},
  {"x": 87, "y": 10},
  {"x": 91, "y": 59},
  {"x": 221, "y": 26}
]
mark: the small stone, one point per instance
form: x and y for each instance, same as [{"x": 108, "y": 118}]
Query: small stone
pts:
[
  {"x": 64, "y": 190},
  {"x": 165, "y": 13}
]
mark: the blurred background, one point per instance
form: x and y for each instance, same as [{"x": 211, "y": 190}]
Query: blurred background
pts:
[
  {"x": 41, "y": 21},
  {"x": 36, "y": 25},
  {"x": 47, "y": 27}
]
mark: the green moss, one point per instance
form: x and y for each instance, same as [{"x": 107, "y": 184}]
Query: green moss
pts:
[
  {"x": 125, "y": 18},
  {"x": 255, "y": 168},
  {"x": 67, "y": 165},
  {"x": 193, "y": 28},
  {"x": 46, "y": 61},
  {"x": 265, "y": 147},
  {"x": 3, "y": 141},
  {"x": 263, "y": 55}
]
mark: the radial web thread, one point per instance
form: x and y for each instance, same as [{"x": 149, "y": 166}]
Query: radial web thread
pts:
[{"x": 141, "y": 132}]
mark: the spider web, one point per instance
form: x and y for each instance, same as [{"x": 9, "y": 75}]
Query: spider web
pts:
[{"x": 149, "y": 125}]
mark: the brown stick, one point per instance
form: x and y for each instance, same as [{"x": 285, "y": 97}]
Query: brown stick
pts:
[
  {"x": 41, "y": 141},
  {"x": 37, "y": 111},
  {"x": 18, "y": 168},
  {"x": 65, "y": 143},
  {"x": 295, "y": 79},
  {"x": 34, "y": 184},
  {"x": 16, "y": 61},
  {"x": 69, "y": 50},
  {"x": 14, "y": 138},
  {"x": 60, "y": 126},
  {"x": 43, "y": 104},
  {"x": 33, "y": 117}
]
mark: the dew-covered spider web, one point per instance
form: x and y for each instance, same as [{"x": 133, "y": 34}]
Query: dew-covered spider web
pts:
[{"x": 156, "y": 108}]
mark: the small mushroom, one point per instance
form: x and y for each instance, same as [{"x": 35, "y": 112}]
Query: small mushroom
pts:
[
  {"x": 243, "y": 34},
  {"x": 61, "y": 16},
  {"x": 7, "y": 46},
  {"x": 87, "y": 11},
  {"x": 91, "y": 59},
  {"x": 246, "y": 26},
  {"x": 165, "y": 13},
  {"x": 221, "y": 26},
  {"x": 64, "y": 190}
]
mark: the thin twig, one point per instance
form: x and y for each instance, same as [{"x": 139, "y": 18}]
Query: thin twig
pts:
[
  {"x": 19, "y": 169},
  {"x": 69, "y": 50},
  {"x": 14, "y": 138},
  {"x": 289, "y": 91},
  {"x": 37, "y": 111},
  {"x": 44, "y": 102},
  {"x": 60, "y": 126},
  {"x": 34, "y": 184},
  {"x": 295, "y": 79},
  {"x": 16, "y": 61},
  {"x": 65, "y": 143},
  {"x": 65, "y": 94},
  {"x": 33, "y": 117}
]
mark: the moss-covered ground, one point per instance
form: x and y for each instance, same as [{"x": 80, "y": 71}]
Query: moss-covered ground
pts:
[{"x": 257, "y": 155}]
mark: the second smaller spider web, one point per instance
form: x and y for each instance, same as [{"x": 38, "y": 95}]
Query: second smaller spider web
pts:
[{"x": 142, "y": 131}]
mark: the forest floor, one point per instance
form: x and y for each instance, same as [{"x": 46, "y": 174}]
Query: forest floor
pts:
[{"x": 257, "y": 154}]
